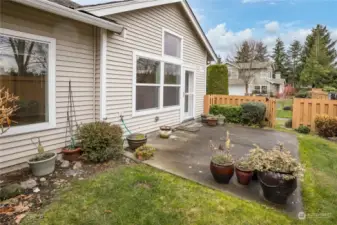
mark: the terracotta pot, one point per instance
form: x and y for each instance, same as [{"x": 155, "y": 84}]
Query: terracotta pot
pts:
[
  {"x": 275, "y": 188},
  {"x": 212, "y": 122},
  {"x": 243, "y": 177},
  {"x": 71, "y": 155},
  {"x": 222, "y": 174},
  {"x": 135, "y": 142}
]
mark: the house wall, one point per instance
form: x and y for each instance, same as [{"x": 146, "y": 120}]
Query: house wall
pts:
[
  {"x": 144, "y": 34},
  {"x": 74, "y": 60}
]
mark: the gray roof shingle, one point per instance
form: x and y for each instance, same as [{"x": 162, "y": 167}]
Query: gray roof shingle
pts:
[{"x": 67, "y": 3}]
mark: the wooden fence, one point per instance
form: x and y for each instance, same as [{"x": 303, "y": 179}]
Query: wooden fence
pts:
[
  {"x": 317, "y": 93},
  {"x": 270, "y": 103},
  {"x": 306, "y": 110}
]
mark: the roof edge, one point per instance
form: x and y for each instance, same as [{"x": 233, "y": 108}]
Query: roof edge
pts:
[
  {"x": 64, "y": 11},
  {"x": 111, "y": 8}
]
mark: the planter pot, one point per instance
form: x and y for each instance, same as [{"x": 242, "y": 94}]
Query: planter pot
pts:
[
  {"x": 71, "y": 155},
  {"x": 165, "y": 131},
  {"x": 204, "y": 118},
  {"x": 221, "y": 121},
  {"x": 212, "y": 122},
  {"x": 222, "y": 174},
  {"x": 44, "y": 166},
  {"x": 243, "y": 177},
  {"x": 135, "y": 141},
  {"x": 275, "y": 188}
]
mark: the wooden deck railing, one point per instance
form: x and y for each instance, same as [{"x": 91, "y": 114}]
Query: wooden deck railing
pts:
[{"x": 270, "y": 103}]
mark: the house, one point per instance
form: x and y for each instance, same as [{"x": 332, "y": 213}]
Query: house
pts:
[
  {"x": 265, "y": 80},
  {"x": 144, "y": 60}
]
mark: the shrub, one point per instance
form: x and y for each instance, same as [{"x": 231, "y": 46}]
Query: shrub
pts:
[
  {"x": 230, "y": 112},
  {"x": 303, "y": 129},
  {"x": 289, "y": 123},
  {"x": 326, "y": 126},
  {"x": 145, "y": 152},
  {"x": 217, "y": 79},
  {"x": 253, "y": 113},
  {"x": 302, "y": 94},
  {"x": 101, "y": 141},
  {"x": 329, "y": 89},
  {"x": 288, "y": 108}
]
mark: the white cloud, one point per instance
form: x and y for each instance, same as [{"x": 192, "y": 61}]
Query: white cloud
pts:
[
  {"x": 272, "y": 27},
  {"x": 225, "y": 41},
  {"x": 199, "y": 14}
]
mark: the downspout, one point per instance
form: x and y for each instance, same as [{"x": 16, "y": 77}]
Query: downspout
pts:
[{"x": 94, "y": 101}]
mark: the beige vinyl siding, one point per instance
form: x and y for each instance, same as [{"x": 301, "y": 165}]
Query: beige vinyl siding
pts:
[
  {"x": 74, "y": 60},
  {"x": 144, "y": 34}
]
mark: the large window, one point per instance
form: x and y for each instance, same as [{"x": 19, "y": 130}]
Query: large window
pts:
[
  {"x": 27, "y": 70},
  {"x": 157, "y": 84},
  {"x": 172, "y": 45}
]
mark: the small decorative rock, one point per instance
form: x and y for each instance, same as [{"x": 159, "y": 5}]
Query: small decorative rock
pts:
[
  {"x": 28, "y": 184},
  {"x": 70, "y": 173},
  {"x": 59, "y": 157},
  {"x": 65, "y": 164},
  {"x": 36, "y": 190},
  {"x": 77, "y": 165},
  {"x": 42, "y": 179}
]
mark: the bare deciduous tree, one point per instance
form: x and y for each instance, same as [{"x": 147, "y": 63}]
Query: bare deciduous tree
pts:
[{"x": 249, "y": 49}]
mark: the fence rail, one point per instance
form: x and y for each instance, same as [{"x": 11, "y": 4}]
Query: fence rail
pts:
[
  {"x": 306, "y": 110},
  {"x": 270, "y": 103}
]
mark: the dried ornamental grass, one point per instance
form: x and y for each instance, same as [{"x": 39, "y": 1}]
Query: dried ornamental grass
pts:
[{"x": 7, "y": 109}]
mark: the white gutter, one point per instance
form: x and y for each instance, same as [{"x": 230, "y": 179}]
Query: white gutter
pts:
[{"x": 71, "y": 13}]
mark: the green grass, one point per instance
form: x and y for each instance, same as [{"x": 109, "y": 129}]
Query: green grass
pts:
[
  {"x": 320, "y": 181},
  {"x": 143, "y": 195},
  {"x": 284, "y": 113},
  {"x": 281, "y": 103}
]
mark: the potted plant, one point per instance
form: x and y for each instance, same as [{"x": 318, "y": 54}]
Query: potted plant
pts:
[
  {"x": 222, "y": 163},
  {"x": 43, "y": 163},
  {"x": 255, "y": 155},
  {"x": 136, "y": 140},
  {"x": 203, "y": 118},
  {"x": 244, "y": 170},
  {"x": 165, "y": 131},
  {"x": 145, "y": 152},
  {"x": 278, "y": 174},
  {"x": 212, "y": 120},
  {"x": 71, "y": 152},
  {"x": 221, "y": 120}
]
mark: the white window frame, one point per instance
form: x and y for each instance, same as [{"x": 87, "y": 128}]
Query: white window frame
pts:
[
  {"x": 51, "y": 83},
  {"x": 161, "y": 85},
  {"x": 173, "y": 59}
]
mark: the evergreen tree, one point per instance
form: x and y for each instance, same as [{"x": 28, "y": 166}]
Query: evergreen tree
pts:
[
  {"x": 294, "y": 65},
  {"x": 262, "y": 53},
  {"x": 280, "y": 58},
  {"x": 243, "y": 53},
  {"x": 219, "y": 60}
]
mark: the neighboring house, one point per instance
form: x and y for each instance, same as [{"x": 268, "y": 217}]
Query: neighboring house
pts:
[
  {"x": 266, "y": 81},
  {"x": 144, "y": 60}
]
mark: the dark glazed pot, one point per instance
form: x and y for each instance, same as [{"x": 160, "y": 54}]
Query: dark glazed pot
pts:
[
  {"x": 275, "y": 188},
  {"x": 243, "y": 177},
  {"x": 222, "y": 174},
  {"x": 203, "y": 118},
  {"x": 212, "y": 122},
  {"x": 71, "y": 155},
  {"x": 135, "y": 142},
  {"x": 255, "y": 175}
]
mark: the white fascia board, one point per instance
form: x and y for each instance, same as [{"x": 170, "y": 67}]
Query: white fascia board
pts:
[
  {"x": 114, "y": 8},
  {"x": 57, "y": 9}
]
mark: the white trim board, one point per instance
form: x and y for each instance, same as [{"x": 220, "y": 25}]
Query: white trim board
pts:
[
  {"x": 114, "y": 8},
  {"x": 51, "y": 83},
  {"x": 103, "y": 61},
  {"x": 58, "y": 9}
]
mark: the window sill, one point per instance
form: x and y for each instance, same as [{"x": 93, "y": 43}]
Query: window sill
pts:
[
  {"x": 27, "y": 129},
  {"x": 155, "y": 111}
]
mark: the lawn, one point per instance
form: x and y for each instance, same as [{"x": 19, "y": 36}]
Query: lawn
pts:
[
  {"x": 143, "y": 195},
  {"x": 281, "y": 103}
]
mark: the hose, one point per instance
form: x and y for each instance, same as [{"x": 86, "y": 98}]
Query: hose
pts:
[{"x": 126, "y": 128}]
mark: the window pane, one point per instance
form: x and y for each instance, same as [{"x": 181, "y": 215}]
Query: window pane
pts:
[
  {"x": 172, "y": 73},
  {"x": 24, "y": 71},
  {"x": 171, "y": 96},
  {"x": 172, "y": 45},
  {"x": 147, "y": 97},
  {"x": 148, "y": 71},
  {"x": 264, "y": 89}
]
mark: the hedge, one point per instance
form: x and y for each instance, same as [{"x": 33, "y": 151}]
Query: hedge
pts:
[
  {"x": 217, "y": 79},
  {"x": 326, "y": 126},
  {"x": 253, "y": 113},
  {"x": 231, "y": 112}
]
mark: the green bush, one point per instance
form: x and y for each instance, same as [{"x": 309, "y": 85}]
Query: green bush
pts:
[
  {"x": 326, "y": 126},
  {"x": 329, "y": 89},
  {"x": 253, "y": 113},
  {"x": 101, "y": 141},
  {"x": 289, "y": 123},
  {"x": 230, "y": 112},
  {"x": 303, "y": 129},
  {"x": 302, "y": 94},
  {"x": 217, "y": 79}
]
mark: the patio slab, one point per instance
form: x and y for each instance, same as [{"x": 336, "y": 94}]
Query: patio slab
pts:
[{"x": 187, "y": 155}]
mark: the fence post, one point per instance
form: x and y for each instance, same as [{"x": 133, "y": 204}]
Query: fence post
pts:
[{"x": 207, "y": 104}]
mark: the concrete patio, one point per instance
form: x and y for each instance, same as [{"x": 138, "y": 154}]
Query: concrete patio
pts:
[{"x": 187, "y": 155}]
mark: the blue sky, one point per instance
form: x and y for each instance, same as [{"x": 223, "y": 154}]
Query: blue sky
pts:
[{"x": 229, "y": 22}]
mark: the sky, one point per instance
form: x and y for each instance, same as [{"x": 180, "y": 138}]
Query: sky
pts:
[{"x": 229, "y": 22}]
